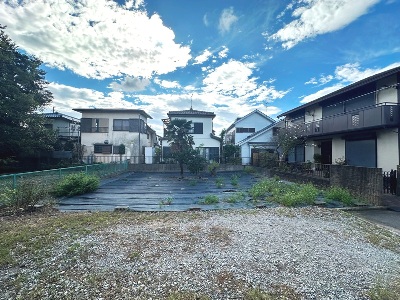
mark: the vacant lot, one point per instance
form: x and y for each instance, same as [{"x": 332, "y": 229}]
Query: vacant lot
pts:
[{"x": 301, "y": 253}]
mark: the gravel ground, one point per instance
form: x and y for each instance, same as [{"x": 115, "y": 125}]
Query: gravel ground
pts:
[{"x": 311, "y": 252}]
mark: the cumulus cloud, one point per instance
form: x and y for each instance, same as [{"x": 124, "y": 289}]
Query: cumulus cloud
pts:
[
  {"x": 344, "y": 75},
  {"x": 224, "y": 52},
  {"x": 167, "y": 84},
  {"x": 236, "y": 79},
  {"x": 203, "y": 57},
  {"x": 226, "y": 20},
  {"x": 130, "y": 84},
  {"x": 316, "y": 17},
  {"x": 94, "y": 38}
]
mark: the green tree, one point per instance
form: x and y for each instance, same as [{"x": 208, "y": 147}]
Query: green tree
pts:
[
  {"x": 23, "y": 94},
  {"x": 181, "y": 142},
  {"x": 288, "y": 138}
]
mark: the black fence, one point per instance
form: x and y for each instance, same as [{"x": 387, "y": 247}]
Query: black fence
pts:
[{"x": 390, "y": 182}]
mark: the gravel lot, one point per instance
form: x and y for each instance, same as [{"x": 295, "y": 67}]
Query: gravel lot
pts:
[{"x": 312, "y": 253}]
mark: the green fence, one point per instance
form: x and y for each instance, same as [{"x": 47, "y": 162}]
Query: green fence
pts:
[{"x": 50, "y": 176}]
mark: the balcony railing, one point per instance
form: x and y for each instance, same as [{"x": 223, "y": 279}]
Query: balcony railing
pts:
[{"x": 376, "y": 116}]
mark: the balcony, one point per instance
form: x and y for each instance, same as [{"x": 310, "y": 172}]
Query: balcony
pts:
[{"x": 371, "y": 117}]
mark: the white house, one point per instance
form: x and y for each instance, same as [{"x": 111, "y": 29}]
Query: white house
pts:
[
  {"x": 202, "y": 132},
  {"x": 103, "y": 131},
  {"x": 252, "y": 133},
  {"x": 67, "y": 127}
]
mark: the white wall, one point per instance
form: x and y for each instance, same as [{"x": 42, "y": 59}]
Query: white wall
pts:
[
  {"x": 129, "y": 139},
  {"x": 204, "y": 139},
  {"x": 255, "y": 121},
  {"x": 313, "y": 113},
  {"x": 386, "y": 94},
  {"x": 387, "y": 150},
  {"x": 338, "y": 149}
]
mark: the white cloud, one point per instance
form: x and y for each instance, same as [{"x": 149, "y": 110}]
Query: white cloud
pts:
[
  {"x": 312, "y": 81},
  {"x": 224, "y": 52},
  {"x": 205, "y": 20},
  {"x": 202, "y": 57},
  {"x": 316, "y": 17},
  {"x": 94, "y": 38},
  {"x": 67, "y": 97},
  {"x": 130, "y": 84},
  {"x": 167, "y": 84},
  {"x": 320, "y": 93},
  {"x": 346, "y": 74},
  {"x": 226, "y": 20}
]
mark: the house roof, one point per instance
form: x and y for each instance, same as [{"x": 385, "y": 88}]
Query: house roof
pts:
[
  {"x": 57, "y": 115},
  {"x": 258, "y": 133},
  {"x": 345, "y": 89},
  {"x": 113, "y": 110},
  {"x": 190, "y": 113},
  {"x": 248, "y": 115}
]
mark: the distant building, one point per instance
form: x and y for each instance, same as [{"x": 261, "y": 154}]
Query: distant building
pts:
[
  {"x": 202, "y": 132},
  {"x": 253, "y": 133},
  {"x": 67, "y": 127},
  {"x": 103, "y": 131}
]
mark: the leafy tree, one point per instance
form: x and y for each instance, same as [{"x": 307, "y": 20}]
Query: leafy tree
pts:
[
  {"x": 231, "y": 152},
  {"x": 181, "y": 142},
  {"x": 196, "y": 163},
  {"x": 288, "y": 138},
  {"x": 22, "y": 94}
]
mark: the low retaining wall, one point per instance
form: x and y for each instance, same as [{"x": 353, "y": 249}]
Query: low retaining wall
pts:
[
  {"x": 162, "y": 168},
  {"x": 365, "y": 183}
]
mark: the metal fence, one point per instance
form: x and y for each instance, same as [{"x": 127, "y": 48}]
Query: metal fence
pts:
[
  {"x": 306, "y": 168},
  {"x": 49, "y": 176},
  {"x": 390, "y": 182}
]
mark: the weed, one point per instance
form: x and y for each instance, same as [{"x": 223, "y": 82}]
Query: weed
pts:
[
  {"x": 339, "y": 194},
  {"x": 219, "y": 182},
  {"x": 235, "y": 180},
  {"x": 167, "y": 201},
  {"x": 134, "y": 255},
  {"x": 236, "y": 197},
  {"x": 249, "y": 169},
  {"x": 382, "y": 291},
  {"x": 210, "y": 199},
  {"x": 279, "y": 292}
]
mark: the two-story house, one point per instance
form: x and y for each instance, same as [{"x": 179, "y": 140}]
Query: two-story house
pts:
[
  {"x": 103, "y": 131},
  {"x": 252, "y": 133},
  {"x": 358, "y": 124},
  {"x": 202, "y": 132}
]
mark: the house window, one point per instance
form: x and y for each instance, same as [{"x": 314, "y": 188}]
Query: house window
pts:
[
  {"x": 196, "y": 129},
  {"x": 94, "y": 125},
  {"x": 103, "y": 148},
  {"x": 121, "y": 125},
  {"x": 245, "y": 130},
  {"x": 118, "y": 149},
  {"x": 136, "y": 125}
]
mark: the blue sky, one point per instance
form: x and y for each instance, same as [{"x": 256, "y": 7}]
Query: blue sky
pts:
[{"x": 229, "y": 57}]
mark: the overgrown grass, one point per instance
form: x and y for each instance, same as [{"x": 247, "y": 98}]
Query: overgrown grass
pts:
[
  {"x": 76, "y": 184},
  {"x": 284, "y": 193},
  {"x": 29, "y": 192},
  {"x": 210, "y": 199},
  {"x": 32, "y": 236},
  {"x": 235, "y": 180},
  {"x": 236, "y": 197},
  {"x": 385, "y": 291},
  {"x": 219, "y": 182},
  {"x": 339, "y": 194}
]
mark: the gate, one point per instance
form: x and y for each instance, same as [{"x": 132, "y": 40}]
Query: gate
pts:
[{"x": 390, "y": 182}]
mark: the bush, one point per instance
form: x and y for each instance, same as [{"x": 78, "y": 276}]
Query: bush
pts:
[
  {"x": 268, "y": 160},
  {"x": 196, "y": 164},
  {"x": 212, "y": 168},
  {"x": 76, "y": 184},
  {"x": 301, "y": 194},
  {"x": 28, "y": 193},
  {"x": 210, "y": 199},
  {"x": 339, "y": 194}
]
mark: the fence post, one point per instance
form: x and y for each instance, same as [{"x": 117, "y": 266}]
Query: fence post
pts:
[
  {"x": 86, "y": 170},
  {"x": 14, "y": 182}
]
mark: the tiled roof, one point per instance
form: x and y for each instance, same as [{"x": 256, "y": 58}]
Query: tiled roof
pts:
[{"x": 191, "y": 112}]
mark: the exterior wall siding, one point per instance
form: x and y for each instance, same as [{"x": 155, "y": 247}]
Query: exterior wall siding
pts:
[
  {"x": 387, "y": 150},
  {"x": 338, "y": 149}
]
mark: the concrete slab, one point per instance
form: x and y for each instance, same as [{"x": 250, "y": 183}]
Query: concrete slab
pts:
[{"x": 384, "y": 217}]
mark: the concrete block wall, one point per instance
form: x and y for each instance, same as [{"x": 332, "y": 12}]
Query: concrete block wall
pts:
[{"x": 366, "y": 183}]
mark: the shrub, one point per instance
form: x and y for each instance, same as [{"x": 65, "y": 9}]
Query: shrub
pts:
[
  {"x": 236, "y": 197},
  {"x": 76, "y": 184},
  {"x": 196, "y": 164},
  {"x": 268, "y": 160},
  {"x": 235, "y": 180},
  {"x": 339, "y": 194},
  {"x": 28, "y": 193},
  {"x": 212, "y": 168},
  {"x": 210, "y": 199},
  {"x": 301, "y": 194},
  {"x": 219, "y": 181}
]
